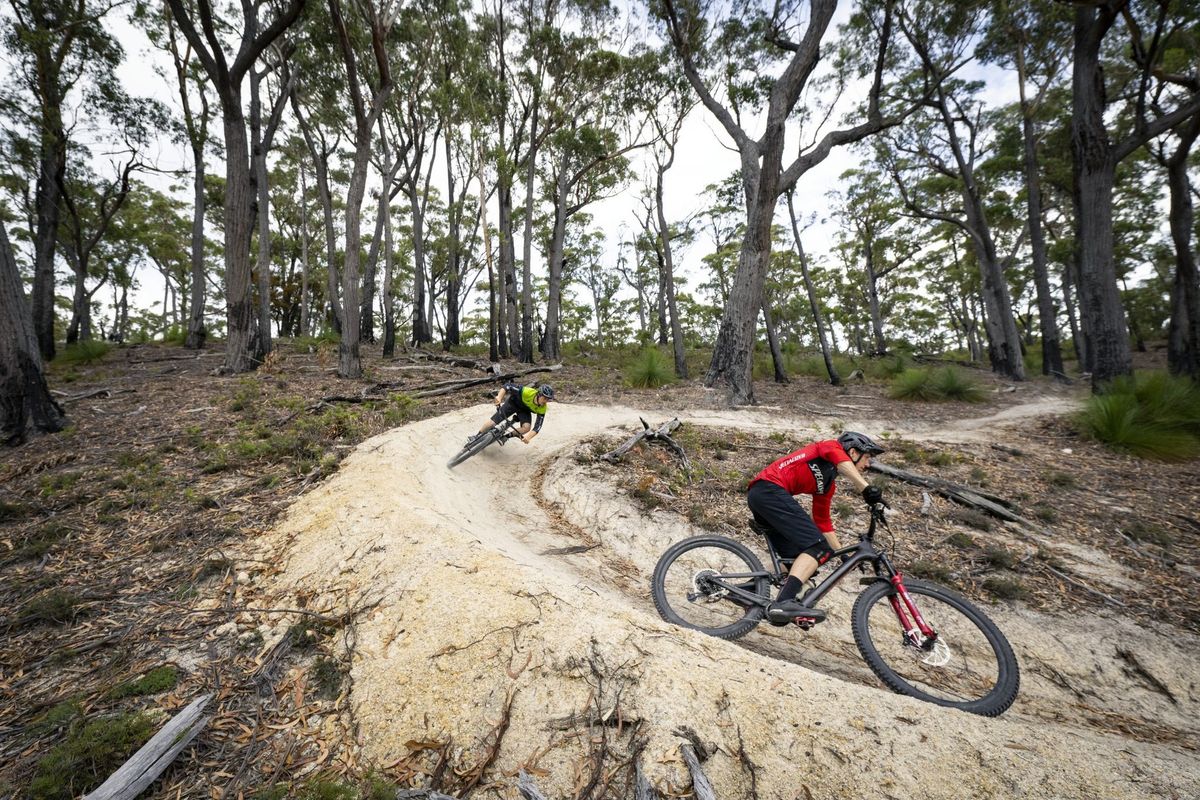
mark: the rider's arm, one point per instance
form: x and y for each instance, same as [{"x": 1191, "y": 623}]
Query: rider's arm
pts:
[
  {"x": 824, "y": 520},
  {"x": 537, "y": 426},
  {"x": 501, "y": 395},
  {"x": 851, "y": 473}
]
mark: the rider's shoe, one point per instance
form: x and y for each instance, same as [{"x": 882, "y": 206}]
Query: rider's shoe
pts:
[{"x": 784, "y": 611}]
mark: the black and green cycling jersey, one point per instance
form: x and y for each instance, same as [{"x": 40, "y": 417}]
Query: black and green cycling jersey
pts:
[{"x": 522, "y": 401}]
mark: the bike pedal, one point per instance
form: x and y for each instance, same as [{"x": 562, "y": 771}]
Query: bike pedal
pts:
[{"x": 805, "y": 623}]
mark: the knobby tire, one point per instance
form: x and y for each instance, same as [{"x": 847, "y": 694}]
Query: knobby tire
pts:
[
  {"x": 474, "y": 448},
  {"x": 980, "y": 674},
  {"x": 674, "y": 579}
]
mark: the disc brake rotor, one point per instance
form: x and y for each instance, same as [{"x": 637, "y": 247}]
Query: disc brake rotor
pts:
[{"x": 706, "y": 591}]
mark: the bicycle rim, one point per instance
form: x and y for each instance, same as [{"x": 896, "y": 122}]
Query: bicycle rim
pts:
[
  {"x": 688, "y": 591},
  {"x": 472, "y": 449},
  {"x": 970, "y": 666}
]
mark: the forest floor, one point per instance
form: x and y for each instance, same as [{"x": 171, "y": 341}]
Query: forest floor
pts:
[{"x": 293, "y": 544}]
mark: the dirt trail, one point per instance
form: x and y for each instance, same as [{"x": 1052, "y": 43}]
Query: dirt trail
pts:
[{"x": 487, "y": 599}]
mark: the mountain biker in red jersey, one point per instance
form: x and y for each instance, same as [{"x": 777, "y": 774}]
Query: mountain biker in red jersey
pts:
[
  {"x": 795, "y": 534},
  {"x": 525, "y": 402}
]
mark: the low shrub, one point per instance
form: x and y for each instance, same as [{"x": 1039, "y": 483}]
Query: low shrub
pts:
[
  {"x": 83, "y": 352},
  {"x": 913, "y": 384},
  {"x": 946, "y": 383},
  {"x": 88, "y": 755},
  {"x": 650, "y": 370},
  {"x": 1153, "y": 415},
  {"x": 953, "y": 384}
]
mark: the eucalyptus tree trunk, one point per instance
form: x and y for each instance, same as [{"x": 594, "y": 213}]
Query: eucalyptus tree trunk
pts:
[
  {"x": 365, "y": 117},
  {"x": 320, "y": 158},
  {"x": 197, "y": 133},
  {"x": 26, "y": 405},
  {"x": 773, "y": 342},
  {"x": 366, "y": 309},
  {"x": 551, "y": 348},
  {"x": 495, "y": 324},
  {"x": 1004, "y": 340},
  {"x": 305, "y": 298},
  {"x": 258, "y": 155},
  {"x": 454, "y": 257},
  {"x": 873, "y": 297},
  {"x": 52, "y": 168},
  {"x": 1095, "y": 160},
  {"x": 420, "y": 332},
  {"x": 506, "y": 311},
  {"x": 1183, "y": 336},
  {"x": 1052, "y": 363},
  {"x": 818, "y": 318},
  {"x": 527, "y": 252},
  {"x": 667, "y": 286}
]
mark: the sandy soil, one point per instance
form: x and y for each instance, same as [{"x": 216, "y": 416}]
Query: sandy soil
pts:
[{"x": 511, "y": 595}]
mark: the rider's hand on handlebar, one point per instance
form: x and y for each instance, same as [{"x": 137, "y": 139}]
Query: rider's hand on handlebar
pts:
[{"x": 873, "y": 495}]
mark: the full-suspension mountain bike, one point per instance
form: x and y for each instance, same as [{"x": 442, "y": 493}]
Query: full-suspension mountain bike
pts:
[
  {"x": 497, "y": 433},
  {"x": 920, "y": 639}
]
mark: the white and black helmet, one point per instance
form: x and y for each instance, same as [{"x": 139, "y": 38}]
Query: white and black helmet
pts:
[{"x": 860, "y": 442}]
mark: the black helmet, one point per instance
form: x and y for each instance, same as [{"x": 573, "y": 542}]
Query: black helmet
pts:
[
  {"x": 546, "y": 391},
  {"x": 860, "y": 442}
]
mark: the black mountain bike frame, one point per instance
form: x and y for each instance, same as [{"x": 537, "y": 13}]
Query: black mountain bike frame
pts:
[{"x": 916, "y": 631}]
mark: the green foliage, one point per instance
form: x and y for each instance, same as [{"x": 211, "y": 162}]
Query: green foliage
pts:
[
  {"x": 999, "y": 558},
  {"x": 1152, "y": 415},
  {"x": 1142, "y": 531},
  {"x": 327, "y": 789},
  {"x": 175, "y": 335},
  {"x": 88, "y": 755},
  {"x": 84, "y": 352},
  {"x": 960, "y": 540},
  {"x": 1005, "y": 588},
  {"x": 953, "y": 384},
  {"x": 913, "y": 384},
  {"x": 57, "y": 607},
  {"x": 650, "y": 370},
  {"x": 157, "y": 680},
  {"x": 931, "y": 570},
  {"x": 973, "y": 519},
  {"x": 946, "y": 383}
]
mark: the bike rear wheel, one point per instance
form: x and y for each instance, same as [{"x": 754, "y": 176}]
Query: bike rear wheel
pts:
[
  {"x": 690, "y": 586},
  {"x": 970, "y": 666}
]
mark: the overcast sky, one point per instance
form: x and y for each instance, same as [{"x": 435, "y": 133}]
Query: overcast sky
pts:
[{"x": 705, "y": 156}]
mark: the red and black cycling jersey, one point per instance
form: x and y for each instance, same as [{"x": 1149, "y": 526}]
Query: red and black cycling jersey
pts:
[{"x": 809, "y": 470}]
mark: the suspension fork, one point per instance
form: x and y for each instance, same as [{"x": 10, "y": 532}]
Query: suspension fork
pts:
[{"x": 917, "y": 632}]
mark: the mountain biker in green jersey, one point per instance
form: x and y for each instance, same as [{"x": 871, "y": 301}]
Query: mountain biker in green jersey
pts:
[{"x": 524, "y": 402}]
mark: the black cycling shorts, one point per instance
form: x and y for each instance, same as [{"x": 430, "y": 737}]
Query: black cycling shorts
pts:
[
  {"x": 512, "y": 405},
  {"x": 789, "y": 527}
]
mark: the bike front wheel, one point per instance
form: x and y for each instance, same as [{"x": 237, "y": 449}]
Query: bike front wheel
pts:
[
  {"x": 969, "y": 666},
  {"x": 475, "y": 446},
  {"x": 691, "y": 586}
]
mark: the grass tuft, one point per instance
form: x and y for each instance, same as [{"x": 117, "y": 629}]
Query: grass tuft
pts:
[
  {"x": 935, "y": 384},
  {"x": 88, "y": 755},
  {"x": 650, "y": 370},
  {"x": 157, "y": 680},
  {"x": 1153, "y": 416},
  {"x": 83, "y": 352}
]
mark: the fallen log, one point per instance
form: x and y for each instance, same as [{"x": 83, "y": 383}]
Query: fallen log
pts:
[
  {"x": 458, "y": 361},
  {"x": 449, "y": 387},
  {"x": 156, "y": 755},
  {"x": 996, "y": 506},
  {"x": 660, "y": 434}
]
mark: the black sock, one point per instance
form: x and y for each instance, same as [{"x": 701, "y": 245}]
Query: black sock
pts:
[{"x": 791, "y": 587}]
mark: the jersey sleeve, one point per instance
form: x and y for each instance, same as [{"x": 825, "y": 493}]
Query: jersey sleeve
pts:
[
  {"x": 820, "y": 510},
  {"x": 832, "y": 452},
  {"x": 537, "y": 422}
]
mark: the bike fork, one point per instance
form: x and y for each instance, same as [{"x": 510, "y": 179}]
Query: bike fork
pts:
[{"x": 917, "y": 632}]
